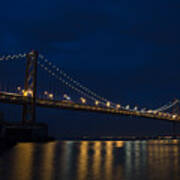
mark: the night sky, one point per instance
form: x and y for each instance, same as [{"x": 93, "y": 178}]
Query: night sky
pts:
[{"x": 127, "y": 51}]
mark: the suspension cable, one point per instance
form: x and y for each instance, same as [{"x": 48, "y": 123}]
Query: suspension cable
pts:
[
  {"x": 11, "y": 57},
  {"x": 44, "y": 67},
  {"x": 167, "y": 106},
  {"x": 60, "y": 71}
]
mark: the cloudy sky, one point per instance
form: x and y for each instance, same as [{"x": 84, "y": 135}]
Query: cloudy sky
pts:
[{"x": 127, "y": 51}]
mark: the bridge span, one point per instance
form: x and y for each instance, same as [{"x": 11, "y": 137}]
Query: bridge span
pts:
[
  {"x": 32, "y": 94},
  {"x": 14, "y": 98}
]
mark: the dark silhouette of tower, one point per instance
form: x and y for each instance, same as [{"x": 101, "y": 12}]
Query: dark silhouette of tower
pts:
[
  {"x": 175, "y": 111},
  {"x": 29, "y": 109}
]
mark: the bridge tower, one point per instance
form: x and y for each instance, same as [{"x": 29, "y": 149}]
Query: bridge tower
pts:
[
  {"x": 29, "y": 110},
  {"x": 175, "y": 110}
]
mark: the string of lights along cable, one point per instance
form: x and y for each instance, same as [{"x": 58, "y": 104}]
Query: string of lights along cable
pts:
[{"x": 86, "y": 99}]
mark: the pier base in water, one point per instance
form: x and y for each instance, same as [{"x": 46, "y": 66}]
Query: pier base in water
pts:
[{"x": 23, "y": 133}]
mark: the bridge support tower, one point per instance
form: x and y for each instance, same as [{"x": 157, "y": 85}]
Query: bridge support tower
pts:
[
  {"x": 176, "y": 110},
  {"x": 29, "y": 109}
]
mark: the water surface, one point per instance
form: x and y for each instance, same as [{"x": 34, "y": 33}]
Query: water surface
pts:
[{"x": 92, "y": 160}]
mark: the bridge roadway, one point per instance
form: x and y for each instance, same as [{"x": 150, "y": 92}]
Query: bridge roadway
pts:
[{"x": 14, "y": 98}]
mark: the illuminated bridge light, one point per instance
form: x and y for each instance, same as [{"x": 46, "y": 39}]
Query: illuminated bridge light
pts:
[
  {"x": 127, "y": 107},
  {"x": 19, "y": 88},
  {"x": 108, "y": 104},
  {"x": 150, "y": 111},
  {"x": 118, "y": 106},
  {"x": 83, "y": 100},
  {"x": 174, "y": 116},
  {"x": 51, "y": 96},
  {"x": 66, "y": 97},
  {"x": 27, "y": 93},
  {"x": 135, "y": 108},
  {"x": 45, "y": 93},
  {"x": 96, "y": 103}
]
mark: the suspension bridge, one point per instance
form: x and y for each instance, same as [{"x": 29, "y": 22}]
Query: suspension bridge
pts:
[{"x": 31, "y": 95}]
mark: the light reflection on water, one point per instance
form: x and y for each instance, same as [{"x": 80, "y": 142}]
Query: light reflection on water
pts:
[{"x": 92, "y": 160}]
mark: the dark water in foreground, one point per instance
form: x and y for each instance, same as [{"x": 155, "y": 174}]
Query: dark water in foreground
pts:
[{"x": 95, "y": 160}]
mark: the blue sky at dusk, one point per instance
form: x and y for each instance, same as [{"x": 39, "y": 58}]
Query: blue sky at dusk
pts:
[{"x": 127, "y": 51}]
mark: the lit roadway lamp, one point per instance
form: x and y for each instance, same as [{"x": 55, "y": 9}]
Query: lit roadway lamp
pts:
[
  {"x": 19, "y": 88},
  {"x": 20, "y": 91},
  {"x": 83, "y": 100},
  {"x": 108, "y": 104},
  {"x": 45, "y": 93},
  {"x": 118, "y": 106},
  {"x": 27, "y": 93},
  {"x": 67, "y": 97},
  {"x": 135, "y": 108},
  {"x": 96, "y": 103},
  {"x": 51, "y": 96},
  {"x": 127, "y": 107},
  {"x": 23, "y": 91}
]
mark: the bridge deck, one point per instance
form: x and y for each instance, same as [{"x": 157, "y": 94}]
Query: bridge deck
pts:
[{"x": 13, "y": 98}]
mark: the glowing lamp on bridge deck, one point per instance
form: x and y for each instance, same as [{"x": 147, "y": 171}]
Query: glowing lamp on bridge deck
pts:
[
  {"x": 45, "y": 93},
  {"x": 127, "y": 107},
  {"x": 51, "y": 96},
  {"x": 160, "y": 113},
  {"x": 24, "y": 93},
  {"x": 66, "y": 97},
  {"x": 19, "y": 88},
  {"x": 155, "y": 112},
  {"x": 135, "y": 108},
  {"x": 96, "y": 103},
  {"x": 108, "y": 104},
  {"x": 118, "y": 106},
  {"x": 174, "y": 116},
  {"x": 22, "y": 90},
  {"x": 150, "y": 111},
  {"x": 83, "y": 100},
  {"x": 27, "y": 93}
]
